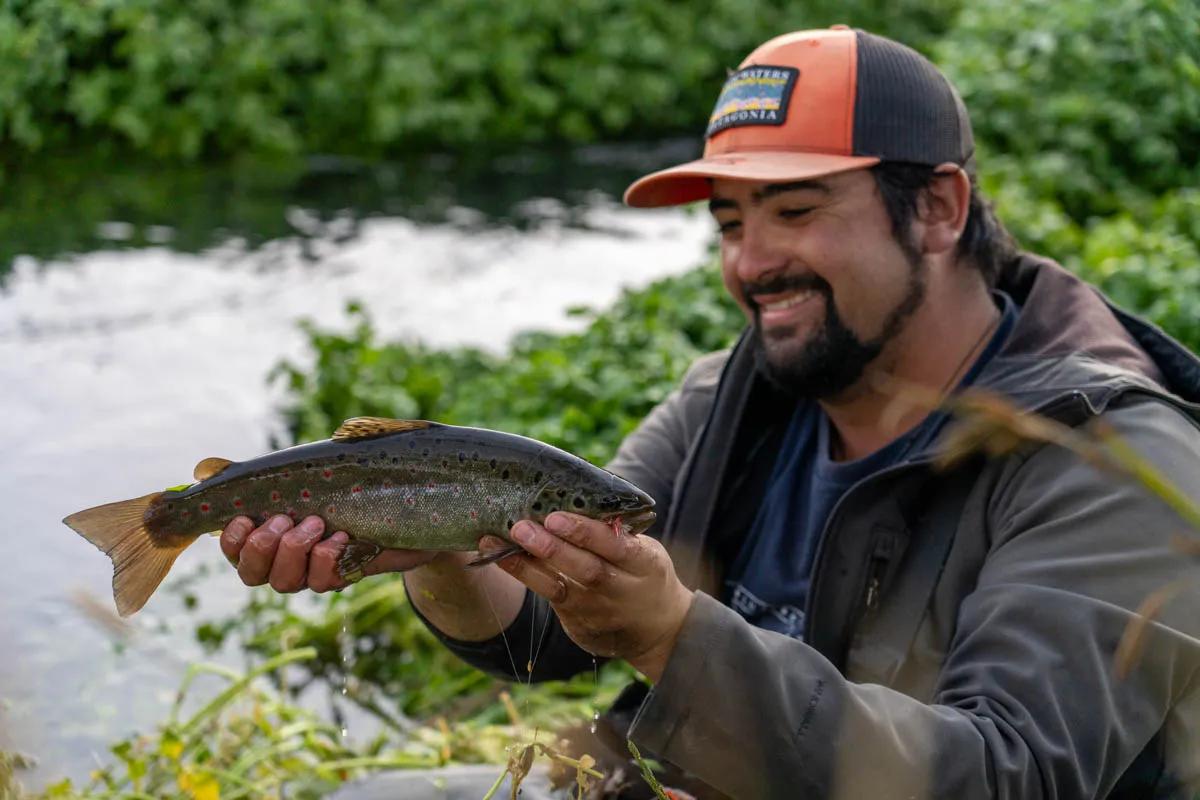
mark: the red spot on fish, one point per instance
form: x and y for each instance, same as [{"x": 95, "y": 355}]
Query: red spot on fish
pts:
[
  {"x": 435, "y": 518},
  {"x": 457, "y": 490},
  {"x": 205, "y": 508},
  {"x": 285, "y": 474},
  {"x": 327, "y": 473},
  {"x": 410, "y": 500},
  {"x": 474, "y": 514},
  {"x": 388, "y": 520},
  {"x": 237, "y": 503},
  {"x": 431, "y": 485},
  {"x": 305, "y": 494},
  {"x": 185, "y": 514},
  {"x": 276, "y": 497},
  {"x": 356, "y": 490},
  {"x": 329, "y": 509},
  {"x": 291, "y": 512},
  {"x": 387, "y": 484}
]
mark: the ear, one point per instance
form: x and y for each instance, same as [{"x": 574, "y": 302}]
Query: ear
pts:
[{"x": 942, "y": 209}]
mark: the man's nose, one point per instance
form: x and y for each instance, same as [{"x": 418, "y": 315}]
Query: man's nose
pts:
[{"x": 758, "y": 258}]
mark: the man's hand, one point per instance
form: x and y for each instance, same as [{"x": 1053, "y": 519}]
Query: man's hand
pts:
[
  {"x": 616, "y": 595},
  {"x": 293, "y": 557}
]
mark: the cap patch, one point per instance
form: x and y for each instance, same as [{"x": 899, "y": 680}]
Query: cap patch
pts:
[{"x": 755, "y": 95}]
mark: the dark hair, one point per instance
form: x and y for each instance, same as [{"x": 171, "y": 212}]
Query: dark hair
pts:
[{"x": 985, "y": 242}]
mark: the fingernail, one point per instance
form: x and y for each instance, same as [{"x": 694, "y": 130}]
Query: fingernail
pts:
[
  {"x": 523, "y": 532},
  {"x": 312, "y": 525},
  {"x": 491, "y": 543},
  {"x": 236, "y": 533},
  {"x": 279, "y": 524},
  {"x": 558, "y": 523}
]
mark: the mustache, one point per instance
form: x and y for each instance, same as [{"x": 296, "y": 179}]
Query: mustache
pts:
[{"x": 807, "y": 282}]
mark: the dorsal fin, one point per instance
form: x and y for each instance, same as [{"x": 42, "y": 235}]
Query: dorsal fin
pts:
[
  {"x": 209, "y": 467},
  {"x": 370, "y": 427}
]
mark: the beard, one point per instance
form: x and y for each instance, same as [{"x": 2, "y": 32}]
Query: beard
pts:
[{"x": 835, "y": 358}]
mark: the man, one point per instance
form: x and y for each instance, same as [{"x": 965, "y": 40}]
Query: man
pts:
[{"x": 821, "y": 611}]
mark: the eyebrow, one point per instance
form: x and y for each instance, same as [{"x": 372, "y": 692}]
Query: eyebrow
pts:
[{"x": 769, "y": 191}]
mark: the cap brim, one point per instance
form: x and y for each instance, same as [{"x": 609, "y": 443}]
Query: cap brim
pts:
[{"x": 690, "y": 182}]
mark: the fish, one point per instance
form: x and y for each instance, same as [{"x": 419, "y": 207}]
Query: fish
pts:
[{"x": 411, "y": 484}]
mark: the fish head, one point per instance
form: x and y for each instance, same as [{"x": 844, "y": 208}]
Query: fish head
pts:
[{"x": 602, "y": 495}]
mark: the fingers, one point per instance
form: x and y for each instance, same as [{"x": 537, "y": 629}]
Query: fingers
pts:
[
  {"x": 529, "y": 571},
  {"x": 574, "y": 562},
  {"x": 323, "y": 575},
  {"x": 234, "y": 536},
  {"x": 290, "y": 566},
  {"x": 595, "y": 537},
  {"x": 258, "y": 551}
]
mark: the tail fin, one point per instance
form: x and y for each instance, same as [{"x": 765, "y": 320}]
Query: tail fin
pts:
[{"x": 139, "y": 562}]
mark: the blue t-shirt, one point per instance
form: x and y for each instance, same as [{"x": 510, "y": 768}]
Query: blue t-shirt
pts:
[{"x": 768, "y": 581}]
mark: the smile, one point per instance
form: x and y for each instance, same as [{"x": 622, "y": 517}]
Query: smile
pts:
[{"x": 787, "y": 302}]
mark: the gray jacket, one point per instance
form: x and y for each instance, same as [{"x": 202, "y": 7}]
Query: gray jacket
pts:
[{"x": 962, "y": 625}]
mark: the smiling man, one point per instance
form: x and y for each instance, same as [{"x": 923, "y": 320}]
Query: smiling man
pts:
[{"x": 820, "y": 610}]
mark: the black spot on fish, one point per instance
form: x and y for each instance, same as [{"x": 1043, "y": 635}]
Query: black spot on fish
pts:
[
  {"x": 308, "y": 465},
  {"x": 475, "y": 455},
  {"x": 508, "y": 523},
  {"x": 492, "y": 463},
  {"x": 412, "y": 444},
  {"x": 170, "y": 506},
  {"x": 537, "y": 506},
  {"x": 341, "y": 456},
  {"x": 362, "y": 462},
  {"x": 437, "y": 440},
  {"x": 537, "y": 476},
  {"x": 445, "y": 463},
  {"x": 504, "y": 474},
  {"x": 577, "y": 502},
  {"x": 561, "y": 493},
  {"x": 425, "y": 452},
  {"x": 461, "y": 457},
  {"x": 395, "y": 460}
]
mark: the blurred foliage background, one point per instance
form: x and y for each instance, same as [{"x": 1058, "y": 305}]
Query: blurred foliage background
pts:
[{"x": 1086, "y": 113}]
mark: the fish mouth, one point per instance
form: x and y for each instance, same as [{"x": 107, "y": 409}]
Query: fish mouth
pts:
[{"x": 637, "y": 522}]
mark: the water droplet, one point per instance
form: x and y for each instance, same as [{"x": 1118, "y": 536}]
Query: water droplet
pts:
[
  {"x": 346, "y": 645},
  {"x": 595, "y": 719}
]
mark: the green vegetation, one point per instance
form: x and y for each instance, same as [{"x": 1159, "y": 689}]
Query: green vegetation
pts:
[{"x": 180, "y": 79}]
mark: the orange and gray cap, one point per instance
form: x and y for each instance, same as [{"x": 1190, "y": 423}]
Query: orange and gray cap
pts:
[{"x": 818, "y": 102}]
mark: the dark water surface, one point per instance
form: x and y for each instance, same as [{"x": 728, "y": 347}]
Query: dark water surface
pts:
[{"x": 141, "y": 309}]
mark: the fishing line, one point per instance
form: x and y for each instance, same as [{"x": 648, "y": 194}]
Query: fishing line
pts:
[
  {"x": 541, "y": 639},
  {"x": 504, "y": 637}
]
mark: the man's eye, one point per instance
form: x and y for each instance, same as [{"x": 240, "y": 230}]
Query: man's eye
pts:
[
  {"x": 728, "y": 226},
  {"x": 793, "y": 213}
]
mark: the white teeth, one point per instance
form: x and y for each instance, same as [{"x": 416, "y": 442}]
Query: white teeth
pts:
[{"x": 787, "y": 302}]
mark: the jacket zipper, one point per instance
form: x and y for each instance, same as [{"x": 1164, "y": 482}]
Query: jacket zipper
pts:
[{"x": 881, "y": 556}]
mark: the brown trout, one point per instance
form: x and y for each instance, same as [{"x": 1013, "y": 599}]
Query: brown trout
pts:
[{"x": 388, "y": 483}]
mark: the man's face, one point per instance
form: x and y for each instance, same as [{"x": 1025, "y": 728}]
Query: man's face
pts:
[{"x": 816, "y": 269}]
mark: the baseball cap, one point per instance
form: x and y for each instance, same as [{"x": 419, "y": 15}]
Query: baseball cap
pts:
[{"x": 817, "y": 102}]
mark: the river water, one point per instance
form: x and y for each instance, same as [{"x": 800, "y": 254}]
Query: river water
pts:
[{"x": 140, "y": 312}]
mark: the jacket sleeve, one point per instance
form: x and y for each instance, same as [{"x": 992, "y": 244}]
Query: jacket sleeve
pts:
[
  {"x": 650, "y": 457},
  {"x": 1027, "y": 703}
]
